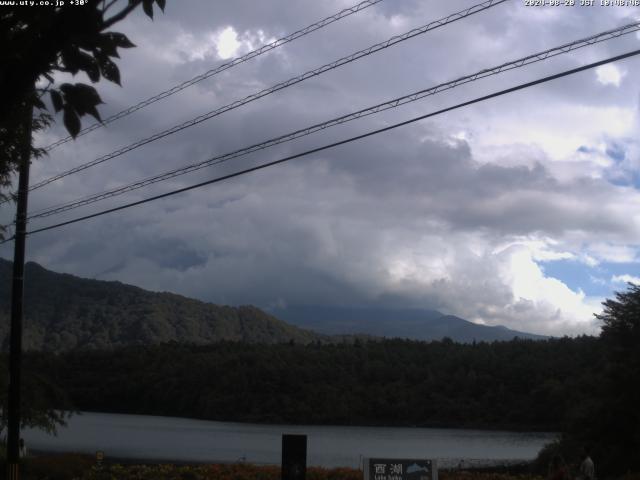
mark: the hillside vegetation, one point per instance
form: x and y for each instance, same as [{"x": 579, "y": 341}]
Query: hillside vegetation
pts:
[{"x": 64, "y": 312}]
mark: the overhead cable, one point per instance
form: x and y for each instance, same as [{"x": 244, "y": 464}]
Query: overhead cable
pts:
[
  {"x": 221, "y": 68},
  {"x": 335, "y": 144},
  {"x": 394, "y": 103},
  {"x": 280, "y": 86}
]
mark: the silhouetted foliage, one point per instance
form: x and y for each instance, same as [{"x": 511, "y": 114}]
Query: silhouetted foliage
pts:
[
  {"x": 39, "y": 394},
  {"x": 606, "y": 416},
  {"x": 612, "y": 423},
  {"x": 38, "y": 41}
]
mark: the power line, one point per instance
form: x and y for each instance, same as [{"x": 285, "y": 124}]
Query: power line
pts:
[
  {"x": 342, "y": 142},
  {"x": 280, "y": 86},
  {"x": 530, "y": 59},
  {"x": 221, "y": 68}
]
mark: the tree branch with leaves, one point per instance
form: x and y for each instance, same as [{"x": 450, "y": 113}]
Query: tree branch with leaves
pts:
[{"x": 37, "y": 43}]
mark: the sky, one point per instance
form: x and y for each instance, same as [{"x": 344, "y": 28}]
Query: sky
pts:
[{"x": 522, "y": 211}]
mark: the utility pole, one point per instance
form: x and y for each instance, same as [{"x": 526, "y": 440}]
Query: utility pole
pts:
[{"x": 17, "y": 298}]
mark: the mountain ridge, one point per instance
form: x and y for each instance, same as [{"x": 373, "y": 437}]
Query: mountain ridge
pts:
[
  {"x": 64, "y": 312},
  {"x": 411, "y": 323}
]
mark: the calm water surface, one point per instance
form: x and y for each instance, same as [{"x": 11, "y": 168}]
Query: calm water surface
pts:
[{"x": 180, "y": 439}]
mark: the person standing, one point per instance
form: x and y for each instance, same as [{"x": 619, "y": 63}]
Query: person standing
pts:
[
  {"x": 23, "y": 449},
  {"x": 587, "y": 469}
]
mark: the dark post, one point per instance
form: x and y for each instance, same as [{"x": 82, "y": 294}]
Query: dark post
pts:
[
  {"x": 17, "y": 297},
  {"x": 294, "y": 457}
]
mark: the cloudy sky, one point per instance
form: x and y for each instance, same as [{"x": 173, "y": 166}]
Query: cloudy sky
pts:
[{"x": 522, "y": 211}]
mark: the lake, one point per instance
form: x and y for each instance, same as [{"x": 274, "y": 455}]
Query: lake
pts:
[{"x": 188, "y": 440}]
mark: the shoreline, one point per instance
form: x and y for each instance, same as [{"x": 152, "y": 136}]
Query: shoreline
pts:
[
  {"x": 155, "y": 440},
  {"x": 444, "y": 464},
  {"x": 507, "y": 428},
  {"x": 77, "y": 466}
]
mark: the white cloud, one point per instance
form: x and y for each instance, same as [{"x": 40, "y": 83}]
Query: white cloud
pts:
[
  {"x": 547, "y": 249},
  {"x": 625, "y": 279},
  {"x": 399, "y": 21},
  {"x": 227, "y": 44},
  {"x": 187, "y": 47},
  {"x": 224, "y": 43},
  {"x": 609, "y": 74},
  {"x": 614, "y": 253},
  {"x": 559, "y": 309},
  {"x": 559, "y": 138}
]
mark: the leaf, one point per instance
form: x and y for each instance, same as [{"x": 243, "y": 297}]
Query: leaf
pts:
[
  {"x": 86, "y": 41},
  {"x": 109, "y": 70},
  {"x": 39, "y": 104},
  {"x": 75, "y": 60},
  {"x": 71, "y": 121},
  {"x": 87, "y": 94},
  {"x": 66, "y": 88},
  {"x": 56, "y": 100},
  {"x": 161, "y": 4},
  {"x": 93, "y": 111},
  {"x": 120, "y": 39},
  {"x": 110, "y": 51},
  {"x": 70, "y": 61},
  {"x": 147, "y": 6},
  {"x": 91, "y": 69},
  {"x": 84, "y": 100},
  {"x": 88, "y": 65},
  {"x": 107, "y": 46}
]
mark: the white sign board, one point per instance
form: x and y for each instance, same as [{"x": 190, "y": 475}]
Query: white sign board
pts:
[{"x": 400, "y": 469}]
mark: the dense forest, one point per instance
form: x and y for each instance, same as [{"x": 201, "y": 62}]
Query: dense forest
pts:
[{"x": 518, "y": 384}]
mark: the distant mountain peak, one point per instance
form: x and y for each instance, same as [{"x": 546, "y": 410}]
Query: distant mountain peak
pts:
[{"x": 410, "y": 323}]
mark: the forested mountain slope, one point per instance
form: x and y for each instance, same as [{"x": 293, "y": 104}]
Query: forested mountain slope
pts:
[{"x": 64, "y": 312}]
